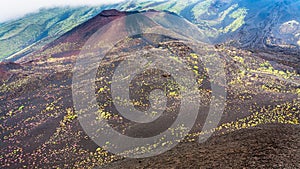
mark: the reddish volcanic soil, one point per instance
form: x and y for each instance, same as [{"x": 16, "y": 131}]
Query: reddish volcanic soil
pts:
[
  {"x": 6, "y": 70},
  {"x": 266, "y": 146}
]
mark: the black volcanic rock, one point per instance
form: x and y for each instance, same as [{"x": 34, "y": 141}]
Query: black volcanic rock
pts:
[
  {"x": 10, "y": 65},
  {"x": 267, "y": 25},
  {"x": 6, "y": 70}
]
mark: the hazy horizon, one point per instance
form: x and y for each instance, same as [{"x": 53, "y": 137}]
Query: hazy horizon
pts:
[{"x": 15, "y": 9}]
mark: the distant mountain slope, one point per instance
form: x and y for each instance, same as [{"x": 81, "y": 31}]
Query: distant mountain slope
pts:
[
  {"x": 35, "y": 30},
  {"x": 256, "y": 24},
  {"x": 251, "y": 23},
  {"x": 275, "y": 24}
]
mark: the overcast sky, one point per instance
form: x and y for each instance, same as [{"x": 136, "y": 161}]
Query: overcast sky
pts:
[{"x": 13, "y": 9}]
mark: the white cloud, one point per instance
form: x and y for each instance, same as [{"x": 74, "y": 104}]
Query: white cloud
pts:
[{"x": 12, "y": 9}]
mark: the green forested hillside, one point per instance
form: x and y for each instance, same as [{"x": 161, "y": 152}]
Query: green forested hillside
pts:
[
  {"x": 45, "y": 26},
  {"x": 260, "y": 23}
]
